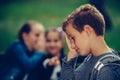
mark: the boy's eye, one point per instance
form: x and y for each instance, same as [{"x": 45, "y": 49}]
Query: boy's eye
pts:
[{"x": 73, "y": 38}]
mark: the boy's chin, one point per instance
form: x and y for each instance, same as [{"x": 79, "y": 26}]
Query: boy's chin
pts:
[{"x": 83, "y": 54}]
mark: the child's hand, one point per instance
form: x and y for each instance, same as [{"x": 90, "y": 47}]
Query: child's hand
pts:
[
  {"x": 54, "y": 61},
  {"x": 72, "y": 52}
]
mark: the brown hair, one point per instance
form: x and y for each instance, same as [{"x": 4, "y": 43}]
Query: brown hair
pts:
[{"x": 86, "y": 15}]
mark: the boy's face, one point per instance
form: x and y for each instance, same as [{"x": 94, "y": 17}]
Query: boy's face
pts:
[{"x": 79, "y": 40}]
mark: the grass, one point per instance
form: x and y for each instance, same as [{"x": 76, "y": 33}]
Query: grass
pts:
[{"x": 50, "y": 13}]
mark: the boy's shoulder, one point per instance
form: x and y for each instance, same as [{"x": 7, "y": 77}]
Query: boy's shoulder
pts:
[
  {"x": 107, "y": 63},
  {"x": 111, "y": 72}
]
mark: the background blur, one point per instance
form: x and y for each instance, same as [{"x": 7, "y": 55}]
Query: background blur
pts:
[{"x": 51, "y": 13}]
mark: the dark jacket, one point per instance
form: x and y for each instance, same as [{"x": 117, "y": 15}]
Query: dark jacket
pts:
[
  {"x": 42, "y": 73},
  {"x": 83, "y": 72},
  {"x": 51, "y": 68},
  {"x": 18, "y": 61}
]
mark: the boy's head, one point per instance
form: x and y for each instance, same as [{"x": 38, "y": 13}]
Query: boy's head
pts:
[
  {"x": 82, "y": 26},
  {"x": 31, "y": 33}
]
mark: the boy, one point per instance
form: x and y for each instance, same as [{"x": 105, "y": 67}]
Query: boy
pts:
[{"x": 85, "y": 29}]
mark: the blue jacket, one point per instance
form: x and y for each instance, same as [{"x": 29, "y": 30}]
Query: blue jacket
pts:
[{"x": 18, "y": 61}]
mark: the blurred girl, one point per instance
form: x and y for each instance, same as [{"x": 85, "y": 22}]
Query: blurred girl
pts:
[
  {"x": 55, "y": 49},
  {"x": 21, "y": 57}
]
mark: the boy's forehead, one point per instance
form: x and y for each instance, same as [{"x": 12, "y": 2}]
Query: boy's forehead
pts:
[
  {"x": 69, "y": 29},
  {"x": 67, "y": 32}
]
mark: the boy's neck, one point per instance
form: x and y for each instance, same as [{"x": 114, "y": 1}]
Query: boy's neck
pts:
[{"x": 100, "y": 47}]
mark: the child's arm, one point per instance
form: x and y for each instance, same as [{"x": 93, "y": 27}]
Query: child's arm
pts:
[
  {"x": 54, "y": 61},
  {"x": 68, "y": 68},
  {"x": 27, "y": 63},
  {"x": 45, "y": 62},
  {"x": 68, "y": 64},
  {"x": 72, "y": 52}
]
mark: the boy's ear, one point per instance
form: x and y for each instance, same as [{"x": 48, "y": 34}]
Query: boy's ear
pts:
[
  {"x": 88, "y": 29},
  {"x": 24, "y": 36}
]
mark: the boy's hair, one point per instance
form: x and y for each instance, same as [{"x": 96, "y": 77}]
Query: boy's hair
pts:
[{"x": 86, "y": 15}]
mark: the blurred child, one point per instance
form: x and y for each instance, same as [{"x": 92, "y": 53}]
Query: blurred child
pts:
[
  {"x": 23, "y": 55},
  {"x": 55, "y": 50}
]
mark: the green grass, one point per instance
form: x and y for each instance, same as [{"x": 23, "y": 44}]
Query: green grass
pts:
[
  {"x": 113, "y": 37},
  {"x": 50, "y": 13}
]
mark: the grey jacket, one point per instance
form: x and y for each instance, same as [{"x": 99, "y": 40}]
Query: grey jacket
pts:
[{"x": 83, "y": 72}]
